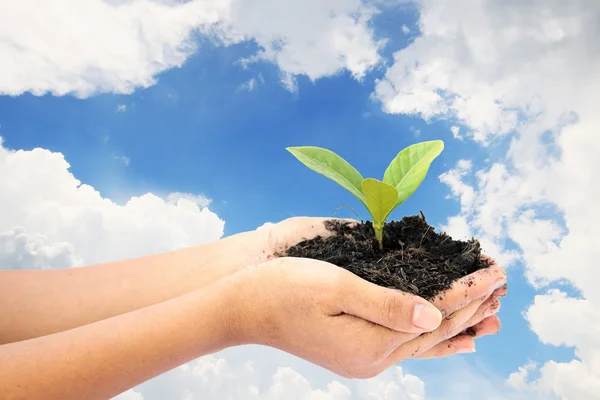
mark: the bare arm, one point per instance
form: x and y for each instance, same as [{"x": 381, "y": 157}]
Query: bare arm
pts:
[
  {"x": 315, "y": 310},
  {"x": 103, "y": 359},
  {"x": 41, "y": 302},
  {"x": 37, "y": 303}
]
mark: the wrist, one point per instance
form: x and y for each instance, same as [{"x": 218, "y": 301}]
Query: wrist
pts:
[
  {"x": 234, "y": 253},
  {"x": 254, "y": 317},
  {"x": 207, "y": 263}
]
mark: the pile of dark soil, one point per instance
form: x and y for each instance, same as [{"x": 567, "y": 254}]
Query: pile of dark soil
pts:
[{"x": 414, "y": 258}]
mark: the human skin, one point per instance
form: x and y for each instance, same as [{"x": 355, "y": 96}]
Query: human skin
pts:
[
  {"x": 122, "y": 328},
  {"x": 62, "y": 299}
]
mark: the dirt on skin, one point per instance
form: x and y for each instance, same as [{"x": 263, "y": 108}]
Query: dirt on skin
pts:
[{"x": 414, "y": 259}]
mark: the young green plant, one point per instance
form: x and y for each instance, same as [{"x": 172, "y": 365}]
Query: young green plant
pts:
[{"x": 400, "y": 180}]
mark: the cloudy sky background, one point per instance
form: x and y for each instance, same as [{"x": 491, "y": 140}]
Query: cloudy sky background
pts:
[{"x": 137, "y": 126}]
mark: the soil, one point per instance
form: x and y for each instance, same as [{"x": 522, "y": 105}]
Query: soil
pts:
[{"x": 414, "y": 258}]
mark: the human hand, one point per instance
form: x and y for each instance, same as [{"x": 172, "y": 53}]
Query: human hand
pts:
[
  {"x": 266, "y": 242},
  {"x": 332, "y": 318},
  {"x": 464, "y": 342},
  {"x": 236, "y": 252}
]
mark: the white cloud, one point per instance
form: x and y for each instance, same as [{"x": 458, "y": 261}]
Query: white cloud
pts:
[
  {"x": 312, "y": 38},
  {"x": 199, "y": 199},
  {"x": 64, "y": 222},
  {"x": 252, "y": 83},
  {"x": 249, "y": 85},
  {"x": 123, "y": 159},
  {"x": 518, "y": 379},
  {"x": 214, "y": 377},
  {"x": 65, "y": 48},
  {"x": 393, "y": 384},
  {"x": 405, "y": 29},
  {"x": 456, "y": 132},
  {"x": 121, "y": 108},
  {"x": 129, "y": 395},
  {"x": 22, "y": 250},
  {"x": 530, "y": 70}
]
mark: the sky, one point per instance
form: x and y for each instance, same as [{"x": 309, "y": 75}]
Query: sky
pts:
[{"x": 132, "y": 127}]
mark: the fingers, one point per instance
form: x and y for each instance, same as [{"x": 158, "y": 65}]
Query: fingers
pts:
[
  {"x": 393, "y": 309},
  {"x": 450, "y": 327},
  {"x": 464, "y": 342},
  {"x": 489, "y": 326},
  {"x": 502, "y": 291},
  {"x": 490, "y": 307},
  {"x": 407, "y": 313},
  {"x": 458, "y": 344},
  {"x": 474, "y": 286},
  {"x": 294, "y": 230}
]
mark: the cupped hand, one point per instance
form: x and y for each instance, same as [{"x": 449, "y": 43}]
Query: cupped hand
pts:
[
  {"x": 232, "y": 254},
  {"x": 332, "y": 318},
  {"x": 275, "y": 239},
  {"x": 236, "y": 252}
]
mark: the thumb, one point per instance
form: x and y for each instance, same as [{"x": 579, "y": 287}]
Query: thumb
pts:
[{"x": 394, "y": 309}]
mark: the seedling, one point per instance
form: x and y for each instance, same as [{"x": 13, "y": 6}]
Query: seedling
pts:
[{"x": 402, "y": 177}]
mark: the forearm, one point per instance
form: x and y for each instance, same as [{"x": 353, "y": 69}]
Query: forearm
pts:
[
  {"x": 100, "y": 360},
  {"x": 37, "y": 303}
]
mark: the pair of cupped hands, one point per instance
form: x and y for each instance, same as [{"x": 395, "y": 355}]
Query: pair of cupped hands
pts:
[{"x": 333, "y": 318}]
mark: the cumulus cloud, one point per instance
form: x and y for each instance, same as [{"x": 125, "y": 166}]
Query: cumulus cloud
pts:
[
  {"x": 576, "y": 379},
  {"x": 199, "y": 199},
  {"x": 50, "y": 219},
  {"x": 214, "y": 377},
  {"x": 64, "y": 223},
  {"x": 22, "y": 250},
  {"x": 393, "y": 384},
  {"x": 64, "y": 47},
  {"x": 529, "y": 71}
]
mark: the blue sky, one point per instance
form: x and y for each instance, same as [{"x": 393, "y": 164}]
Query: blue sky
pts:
[{"x": 199, "y": 130}]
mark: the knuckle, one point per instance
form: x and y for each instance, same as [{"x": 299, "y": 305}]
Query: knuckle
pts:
[
  {"x": 502, "y": 274},
  {"x": 445, "y": 311},
  {"x": 390, "y": 309},
  {"x": 498, "y": 272},
  {"x": 447, "y": 330},
  {"x": 493, "y": 306},
  {"x": 339, "y": 286}
]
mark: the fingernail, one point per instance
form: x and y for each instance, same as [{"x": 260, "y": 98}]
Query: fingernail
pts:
[
  {"x": 426, "y": 317},
  {"x": 500, "y": 284}
]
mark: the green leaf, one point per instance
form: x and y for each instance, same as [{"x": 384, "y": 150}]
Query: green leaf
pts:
[
  {"x": 381, "y": 199},
  {"x": 329, "y": 164},
  {"x": 409, "y": 168}
]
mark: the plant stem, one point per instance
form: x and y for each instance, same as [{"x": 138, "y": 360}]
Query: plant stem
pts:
[{"x": 378, "y": 227}]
